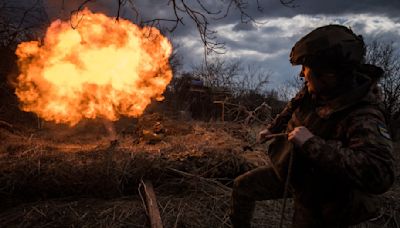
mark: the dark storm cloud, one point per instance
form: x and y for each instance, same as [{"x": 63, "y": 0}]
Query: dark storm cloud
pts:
[
  {"x": 390, "y": 8},
  {"x": 271, "y": 29},
  {"x": 244, "y": 27},
  {"x": 273, "y": 8}
]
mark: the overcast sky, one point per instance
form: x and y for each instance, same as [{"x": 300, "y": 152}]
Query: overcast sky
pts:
[{"x": 266, "y": 43}]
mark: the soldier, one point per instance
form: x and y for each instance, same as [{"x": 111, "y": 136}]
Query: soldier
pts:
[{"x": 337, "y": 140}]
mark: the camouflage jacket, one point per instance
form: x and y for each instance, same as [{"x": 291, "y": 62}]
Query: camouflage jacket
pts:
[{"x": 337, "y": 172}]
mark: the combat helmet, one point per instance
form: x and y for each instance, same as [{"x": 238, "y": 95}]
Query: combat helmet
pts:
[{"x": 329, "y": 46}]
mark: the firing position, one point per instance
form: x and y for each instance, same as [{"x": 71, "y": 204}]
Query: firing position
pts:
[{"x": 337, "y": 137}]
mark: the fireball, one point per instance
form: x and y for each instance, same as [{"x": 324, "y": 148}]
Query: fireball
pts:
[{"x": 99, "y": 68}]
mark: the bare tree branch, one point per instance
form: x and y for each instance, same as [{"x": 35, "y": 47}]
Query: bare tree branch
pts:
[
  {"x": 199, "y": 13},
  {"x": 19, "y": 22},
  {"x": 385, "y": 56}
]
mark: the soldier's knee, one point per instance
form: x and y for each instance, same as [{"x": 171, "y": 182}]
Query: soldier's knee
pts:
[
  {"x": 236, "y": 183},
  {"x": 239, "y": 182},
  {"x": 241, "y": 187}
]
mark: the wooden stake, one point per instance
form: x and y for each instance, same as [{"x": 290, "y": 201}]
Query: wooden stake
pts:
[{"x": 151, "y": 204}]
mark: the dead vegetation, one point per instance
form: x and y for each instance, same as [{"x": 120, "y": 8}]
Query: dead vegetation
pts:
[{"x": 57, "y": 177}]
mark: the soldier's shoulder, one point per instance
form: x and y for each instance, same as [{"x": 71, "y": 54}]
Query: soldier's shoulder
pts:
[
  {"x": 369, "y": 118},
  {"x": 366, "y": 110}
]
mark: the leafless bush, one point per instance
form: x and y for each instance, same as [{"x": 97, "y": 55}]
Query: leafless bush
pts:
[
  {"x": 384, "y": 54},
  {"x": 290, "y": 87},
  {"x": 221, "y": 89},
  {"x": 252, "y": 80},
  {"x": 218, "y": 73}
]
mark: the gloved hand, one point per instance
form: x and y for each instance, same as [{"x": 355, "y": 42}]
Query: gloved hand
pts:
[
  {"x": 262, "y": 135},
  {"x": 300, "y": 135}
]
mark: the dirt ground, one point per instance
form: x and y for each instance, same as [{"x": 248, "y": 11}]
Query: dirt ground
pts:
[{"x": 91, "y": 175}]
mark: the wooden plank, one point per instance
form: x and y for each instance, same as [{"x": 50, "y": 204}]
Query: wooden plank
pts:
[{"x": 151, "y": 204}]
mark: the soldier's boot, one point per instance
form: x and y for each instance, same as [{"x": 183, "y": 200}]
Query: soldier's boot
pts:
[{"x": 242, "y": 208}]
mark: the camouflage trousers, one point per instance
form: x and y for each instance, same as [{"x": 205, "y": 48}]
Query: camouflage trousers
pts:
[
  {"x": 258, "y": 184},
  {"x": 263, "y": 184}
]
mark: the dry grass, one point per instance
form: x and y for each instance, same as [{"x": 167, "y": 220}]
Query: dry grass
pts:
[
  {"x": 59, "y": 177},
  {"x": 77, "y": 177}
]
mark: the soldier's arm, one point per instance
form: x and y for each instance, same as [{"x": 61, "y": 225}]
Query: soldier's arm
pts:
[
  {"x": 280, "y": 122},
  {"x": 366, "y": 162}
]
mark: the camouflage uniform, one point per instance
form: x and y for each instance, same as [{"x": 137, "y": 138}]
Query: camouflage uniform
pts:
[{"x": 337, "y": 173}]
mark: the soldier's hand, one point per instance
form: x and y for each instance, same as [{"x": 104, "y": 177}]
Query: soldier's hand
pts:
[
  {"x": 299, "y": 136},
  {"x": 262, "y": 135}
]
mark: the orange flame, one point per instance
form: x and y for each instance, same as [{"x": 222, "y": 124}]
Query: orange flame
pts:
[{"x": 102, "y": 68}]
